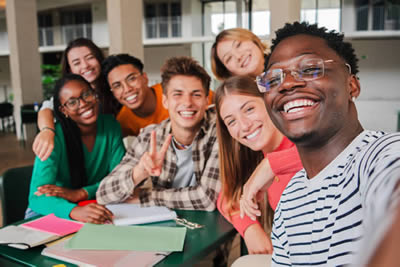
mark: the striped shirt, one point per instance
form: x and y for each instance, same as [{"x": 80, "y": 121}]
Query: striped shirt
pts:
[
  {"x": 322, "y": 221},
  {"x": 118, "y": 186}
]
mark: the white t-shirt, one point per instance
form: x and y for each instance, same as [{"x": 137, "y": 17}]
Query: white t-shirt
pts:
[{"x": 322, "y": 221}]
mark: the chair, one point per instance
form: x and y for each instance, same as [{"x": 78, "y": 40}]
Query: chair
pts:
[
  {"x": 28, "y": 115},
  {"x": 6, "y": 116},
  {"x": 14, "y": 190}
]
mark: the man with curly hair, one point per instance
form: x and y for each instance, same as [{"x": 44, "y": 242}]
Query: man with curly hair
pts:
[{"x": 337, "y": 206}]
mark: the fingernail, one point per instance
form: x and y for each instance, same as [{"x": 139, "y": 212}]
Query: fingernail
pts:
[{"x": 253, "y": 218}]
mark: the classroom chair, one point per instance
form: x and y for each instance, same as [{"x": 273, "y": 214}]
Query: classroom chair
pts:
[
  {"x": 7, "y": 116},
  {"x": 28, "y": 115},
  {"x": 14, "y": 190}
]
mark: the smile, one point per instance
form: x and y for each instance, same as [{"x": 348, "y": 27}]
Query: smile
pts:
[
  {"x": 297, "y": 105},
  {"x": 246, "y": 61},
  {"x": 87, "y": 113},
  {"x": 88, "y": 72},
  {"x": 131, "y": 97},
  {"x": 187, "y": 114},
  {"x": 254, "y": 134}
]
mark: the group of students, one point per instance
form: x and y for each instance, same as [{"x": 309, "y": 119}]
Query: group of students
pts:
[{"x": 283, "y": 142}]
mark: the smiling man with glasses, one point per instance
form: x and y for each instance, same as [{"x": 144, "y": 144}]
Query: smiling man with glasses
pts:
[
  {"x": 142, "y": 105},
  {"x": 338, "y": 205}
]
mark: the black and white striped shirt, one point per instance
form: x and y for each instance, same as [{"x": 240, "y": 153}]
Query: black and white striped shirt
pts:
[{"x": 322, "y": 221}]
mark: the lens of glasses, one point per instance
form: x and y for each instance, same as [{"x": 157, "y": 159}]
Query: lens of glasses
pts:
[
  {"x": 87, "y": 96},
  {"x": 308, "y": 69}
]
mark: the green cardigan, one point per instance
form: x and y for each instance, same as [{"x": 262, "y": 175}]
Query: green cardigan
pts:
[{"x": 107, "y": 152}]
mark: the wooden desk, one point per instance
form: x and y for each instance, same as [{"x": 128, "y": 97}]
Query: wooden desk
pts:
[{"x": 198, "y": 243}]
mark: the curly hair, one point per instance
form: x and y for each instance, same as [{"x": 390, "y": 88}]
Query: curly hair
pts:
[
  {"x": 333, "y": 39},
  {"x": 185, "y": 66}
]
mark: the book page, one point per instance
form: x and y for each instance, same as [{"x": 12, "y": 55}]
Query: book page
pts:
[{"x": 12, "y": 235}]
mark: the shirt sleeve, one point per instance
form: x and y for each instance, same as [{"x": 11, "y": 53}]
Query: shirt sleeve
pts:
[
  {"x": 203, "y": 196},
  {"x": 45, "y": 172},
  {"x": 240, "y": 224},
  {"x": 380, "y": 190},
  {"x": 48, "y": 104},
  {"x": 285, "y": 161},
  {"x": 118, "y": 185},
  {"x": 280, "y": 256}
]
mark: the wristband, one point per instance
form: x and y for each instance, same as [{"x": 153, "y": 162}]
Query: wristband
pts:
[{"x": 48, "y": 128}]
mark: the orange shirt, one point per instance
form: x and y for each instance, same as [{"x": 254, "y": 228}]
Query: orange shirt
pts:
[{"x": 131, "y": 123}]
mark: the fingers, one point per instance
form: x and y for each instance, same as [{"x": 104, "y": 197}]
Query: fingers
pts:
[
  {"x": 98, "y": 214},
  {"x": 165, "y": 146},
  {"x": 246, "y": 209},
  {"x": 153, "y": 143}
]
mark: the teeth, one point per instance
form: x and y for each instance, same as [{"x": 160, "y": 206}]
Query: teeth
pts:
[
  {"x": 87, "y": 113},
  {"x": 297, "y": 105},
  {"x": 129, "y": 98},
  {"x": 245, "y": 61},
  {"x": 88, "y": 72},
  {"x": 187, "y": 113},
  {"x": 254, "y": 134}
]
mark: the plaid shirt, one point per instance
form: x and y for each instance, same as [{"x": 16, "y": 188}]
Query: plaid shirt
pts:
[{"x": 118, "y": 186}]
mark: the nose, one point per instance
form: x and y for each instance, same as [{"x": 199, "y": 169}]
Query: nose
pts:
[
  {"x": 126, "y": 87},
  {"x": 84, "y": 64},
  {"x": 245, "y": 123},
  {"x": 187, "y": 100}
]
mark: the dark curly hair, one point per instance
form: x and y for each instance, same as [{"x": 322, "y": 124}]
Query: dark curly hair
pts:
[{"x": 333, "y": 39}]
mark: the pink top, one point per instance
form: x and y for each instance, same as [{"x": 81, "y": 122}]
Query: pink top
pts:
[{"x": 285, "y": 163}]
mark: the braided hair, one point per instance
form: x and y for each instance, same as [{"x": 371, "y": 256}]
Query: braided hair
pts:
[{"x": 72, "y": 134}]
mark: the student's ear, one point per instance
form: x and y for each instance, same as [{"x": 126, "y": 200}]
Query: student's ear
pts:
[
  {"x": 146, "y": 79},
  {"x": 353, "y": 87},
  {"x": 165, "y": 101},
  {"x": 63, "y": 111}
]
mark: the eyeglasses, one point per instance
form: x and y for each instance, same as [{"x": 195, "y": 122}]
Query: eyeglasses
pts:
[
  {"x": 73, "y": 103},
  {"x": 131, "y": 80},
  {"x": 309, "y": 69}
]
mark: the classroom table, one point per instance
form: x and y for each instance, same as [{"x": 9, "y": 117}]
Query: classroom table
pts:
[{"x": 198, "y": 243}]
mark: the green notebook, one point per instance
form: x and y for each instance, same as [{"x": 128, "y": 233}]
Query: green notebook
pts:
[{"x": 140, "y": 238}]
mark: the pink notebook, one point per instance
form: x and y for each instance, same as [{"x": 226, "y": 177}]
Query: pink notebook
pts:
[{"x": 54, "y": 225}]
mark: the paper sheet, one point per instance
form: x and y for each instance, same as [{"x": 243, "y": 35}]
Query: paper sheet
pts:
[{"x": 141, "y": 238}]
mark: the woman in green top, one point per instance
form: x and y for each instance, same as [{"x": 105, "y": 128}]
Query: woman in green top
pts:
[{"x": 88, "y": 146}]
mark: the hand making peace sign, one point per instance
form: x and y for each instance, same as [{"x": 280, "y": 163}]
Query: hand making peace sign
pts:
[{"x": 151, "y": 162}]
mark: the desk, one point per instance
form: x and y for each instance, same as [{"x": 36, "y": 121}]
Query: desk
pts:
[{"x": 198, "y": 243}]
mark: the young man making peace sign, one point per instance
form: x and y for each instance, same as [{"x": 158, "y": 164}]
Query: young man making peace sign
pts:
[{"x": 184, "y": 171}]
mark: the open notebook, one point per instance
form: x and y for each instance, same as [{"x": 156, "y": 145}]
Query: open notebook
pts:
[
  {"x": 129, "y": 214},
  {"x": 37, "y": 232},
  {"x": 103, "y": 258}
]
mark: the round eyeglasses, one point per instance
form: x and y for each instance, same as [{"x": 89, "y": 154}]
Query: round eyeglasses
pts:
[
  {"x": 309, "y": 69},
  {"x": 73, "y": 103}
]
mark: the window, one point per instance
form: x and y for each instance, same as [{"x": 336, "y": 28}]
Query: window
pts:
[
  {"x": 45, "y": 23},
  {"x": 163, "y": 20},
  {"x": 76, "y": 23},
  {"x": 377, "y": 15},
  {"x": 324, "y": 12}
]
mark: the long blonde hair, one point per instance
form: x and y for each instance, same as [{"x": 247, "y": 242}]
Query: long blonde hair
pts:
[
  {"x": 236, "y": 161},
  {"x": 239, "y": 34}
]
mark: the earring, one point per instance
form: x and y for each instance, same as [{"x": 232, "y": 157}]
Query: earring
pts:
[{"x": 353, "y": 99}]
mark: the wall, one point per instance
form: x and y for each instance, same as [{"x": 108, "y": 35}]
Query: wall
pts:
[
  {"x": 100, "y": 26},
  {"x": 155, "y": 56},
  {"x": 379, "y": 74}
]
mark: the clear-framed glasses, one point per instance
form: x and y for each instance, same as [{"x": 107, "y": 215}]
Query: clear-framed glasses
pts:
[
  {"x": 73, "y": 103},
  {"x": 131, "y": 80},
  {"x": 309, "y": 69}
]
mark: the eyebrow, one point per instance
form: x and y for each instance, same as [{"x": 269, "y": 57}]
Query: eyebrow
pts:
[
  {"x": 241, "y": 107},
  {"x": 302, "y": 54}
]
